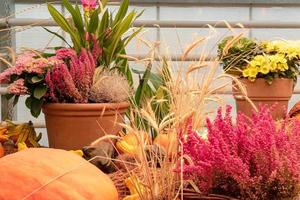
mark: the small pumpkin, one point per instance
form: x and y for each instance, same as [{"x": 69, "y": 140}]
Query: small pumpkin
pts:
[
  {"x": 295, "y": 111},
  {"x": 130, "y": 143},
  {"x": 48, "y": 174},
  {"x": 168, "y": 142},
  {"x": 1, "y": 151}
]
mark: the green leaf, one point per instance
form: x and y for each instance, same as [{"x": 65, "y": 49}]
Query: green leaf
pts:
[
  {"x": 28, "y": 102},
  {"x": 64, "y": 24},
  {"x": 121, "y": 12},
  {"x": 40, "y": 91},
  {"x": 120, "y": 30},
  {"x": 36, "y": 79},
  {"x": 76, "y": 16},
  {"x": 104, "y": 24},
  {"x": 59, "y": 19},
  {"x": 141, "y": 90},
  {"x": 128, "y": 39},
  {"x": 94, "y": 21},
  {"x": 36, "y": 107}
]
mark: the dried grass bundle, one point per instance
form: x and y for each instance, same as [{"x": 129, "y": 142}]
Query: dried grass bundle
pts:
[{"x": 190, "y": 93}]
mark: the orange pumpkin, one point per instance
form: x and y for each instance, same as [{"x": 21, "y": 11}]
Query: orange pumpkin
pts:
[
  {"x": 52, "y": 174},
  {"x": 295, "y": 111},
  {"x": 1, "y": 151},
  {"x": 168, "y": 142}
]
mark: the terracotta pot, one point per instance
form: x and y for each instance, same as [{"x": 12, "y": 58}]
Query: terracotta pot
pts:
[
  {"x": 73, "y": 126},
  {"x": 260, "y": 92}
]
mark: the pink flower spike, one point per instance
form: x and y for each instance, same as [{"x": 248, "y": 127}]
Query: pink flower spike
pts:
[{"x": 89, "y": 4}]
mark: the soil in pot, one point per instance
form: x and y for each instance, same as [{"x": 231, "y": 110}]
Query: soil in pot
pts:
[
  {"x": 260, "y": 92},
  {"x": 73, "y": 126}
]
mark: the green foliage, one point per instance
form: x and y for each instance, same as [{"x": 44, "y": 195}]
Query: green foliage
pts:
[
  {"x": 111, "y": 31},
  {"x": 238, "y": 55},
  {"x": 152, "y": 89}
]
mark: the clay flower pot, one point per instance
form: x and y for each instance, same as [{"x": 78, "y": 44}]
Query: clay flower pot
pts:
[
  {"x": 260, "y": 92},
  {"x": 73, "y": 126}
]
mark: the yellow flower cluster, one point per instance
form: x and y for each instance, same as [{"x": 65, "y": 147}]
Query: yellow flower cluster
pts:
[
  {"x": 265, "y": 64},
  {"x": 288, "y": 47}
]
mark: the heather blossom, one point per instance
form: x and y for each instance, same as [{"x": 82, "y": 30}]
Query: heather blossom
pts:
[
  {"x": 71, "y": 83},
  {"x": 255, "y": 158}
]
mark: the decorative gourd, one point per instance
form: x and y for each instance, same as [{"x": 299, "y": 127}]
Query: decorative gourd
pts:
[
  {"x": 295, "y": 111},
  {"x": 1, "y": 151},
  {"x": 168, "y": 142},
  {"x": 52, "y": 174}
]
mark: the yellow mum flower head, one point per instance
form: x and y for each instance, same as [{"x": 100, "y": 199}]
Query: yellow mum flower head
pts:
[
  {"x": 277, "y": 62},
  {"x": 264, "y": 69},
  {"x": 258, "y": 61},
  {"x": 246, "y": 72},
  {"x": 282, "y": 67},
  {"x": 253, "y": 71}
]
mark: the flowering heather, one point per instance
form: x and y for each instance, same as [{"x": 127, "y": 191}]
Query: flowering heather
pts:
[
  {"x": 255, "y": 158},
  {"x": 18, "y": 87},
  {"x": 71, "y": 81}
]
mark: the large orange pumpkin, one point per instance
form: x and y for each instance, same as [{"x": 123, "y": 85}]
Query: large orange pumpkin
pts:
[
  {"x": 1, "y": 151},
  {"x": 52, "y": 174}
]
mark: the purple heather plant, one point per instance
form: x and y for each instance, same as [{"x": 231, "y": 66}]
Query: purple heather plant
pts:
[{"x": 254, "y": 158}]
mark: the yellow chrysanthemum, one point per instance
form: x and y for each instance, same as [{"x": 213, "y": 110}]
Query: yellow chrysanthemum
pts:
[
  {"x": 287, "y": 47},
  {"x": 258, "y": 61},
  {"x": 264, "y": 69},
  {"x": 253, "y": 71},
  {"x": 246, "y": 72}
]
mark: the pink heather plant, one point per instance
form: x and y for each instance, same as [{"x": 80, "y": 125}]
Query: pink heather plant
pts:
[
  {"x": 255, "y": 158},
  {"x": 71, "y": 83}
]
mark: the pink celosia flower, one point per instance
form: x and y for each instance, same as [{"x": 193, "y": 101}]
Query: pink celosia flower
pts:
[
  {"x": 65, "y": 53},
  {"x": 72, "y": 82},
  {"x": 17, "y": 87},
  {"x": 255, "y": 158},
  {"x": 89, "y": 4}
]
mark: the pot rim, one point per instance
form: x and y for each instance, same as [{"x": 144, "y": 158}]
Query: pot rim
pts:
[{"x": 85, "y": 106}]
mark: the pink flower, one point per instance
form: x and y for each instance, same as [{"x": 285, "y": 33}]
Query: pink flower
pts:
[
  {"x": 18, "y": 88},
  {"x": 5, "y": 76},
  {"x": 89, "y": 4},
  {"x": 256, "y": 158},
  {"x": 71, "y": 81},
  {"x": 65, "y": 53},
  {"x": 24, "y": 58}
]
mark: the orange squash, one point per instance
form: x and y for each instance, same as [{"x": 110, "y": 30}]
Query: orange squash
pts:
[
  {"x": 1, "y": 151},
  {"x": 168, "y": 142},
  {"x": 52, "y": 174}
]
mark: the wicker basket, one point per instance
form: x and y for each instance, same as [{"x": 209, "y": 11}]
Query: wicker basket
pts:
[{"x": 188, "y": 194}]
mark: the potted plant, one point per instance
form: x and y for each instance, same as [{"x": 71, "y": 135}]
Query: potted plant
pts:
[
  {"x": 82, "y": 89},
  {"x": 254, "y": 158},
  {"x": 268, "y": 70}
]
